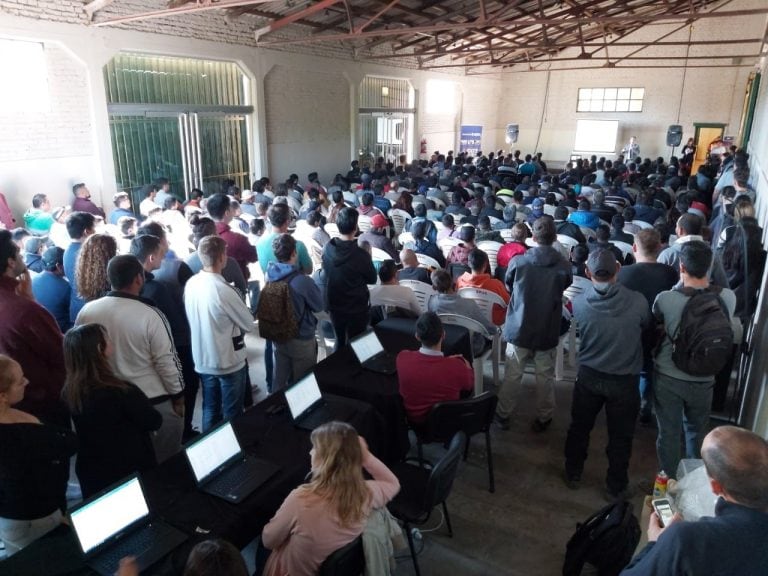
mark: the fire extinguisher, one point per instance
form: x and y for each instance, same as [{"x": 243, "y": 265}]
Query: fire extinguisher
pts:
[{"x": 423, "y": 145}]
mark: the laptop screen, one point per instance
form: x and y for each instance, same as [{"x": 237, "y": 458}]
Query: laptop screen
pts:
[
  {"x": 97, "y": 521},
  {"x": 302, "y": 395},
  {"x": 367, "y": 346},
  {"x": 212, "y": 450}
]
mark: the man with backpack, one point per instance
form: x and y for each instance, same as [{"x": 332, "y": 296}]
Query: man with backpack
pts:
[
  {"x": 699, "y": 332},
  {"x": 286, "y": 313}
]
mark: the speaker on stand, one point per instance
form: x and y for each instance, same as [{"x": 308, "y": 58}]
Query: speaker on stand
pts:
[
  {"x": 674, "y": 137},
  {"x": 513, "y": 131}
]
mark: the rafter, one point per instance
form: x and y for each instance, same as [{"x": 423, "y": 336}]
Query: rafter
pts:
[
  {"x": 291, "y": 18},
  {"x": 184, "y": 9}
]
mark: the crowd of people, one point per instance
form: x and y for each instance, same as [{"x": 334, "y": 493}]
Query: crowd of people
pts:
[{"x": 113, "y": 324}]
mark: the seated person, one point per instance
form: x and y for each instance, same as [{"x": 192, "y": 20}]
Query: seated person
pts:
[
  {"x": 446, "y": 301},
  {"x": 584, "y": 217},
  {"x": 518, "y": 246},
  {"x": 460, "y": 252},
  {"x": 395, "y": 299},
  {"x": 420, "y": 215},
  {"x": 601, "y": 241},
  {"x": 34, "y": 466},
  {"x": 426, "y": 376},
  {"x": 578, "y": 256},
  {"x": 731, "y": 542},
  {"x": 449, "y": 228},
  {"x": 377, "y": 237},
  {"x": 422, "y": 245},
  {"x": 33, "y": 253},
  {"x": 411, "y": 269},
  {"x": 479, "y": 277},
  {"x": 617, "y": 230},
  {"x": 568, "y": 228},
  {"x": 485, "y": 233},
  {"x": 332, "y": 509}
]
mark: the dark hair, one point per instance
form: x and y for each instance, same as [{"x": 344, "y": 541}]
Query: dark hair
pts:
[
  {"x": 202, "y": 226},
  {"x": 544, "y": 231},
  {"x": 217, "y": 206},
  {"x": 38, "y": 200},
  {"x": 367, "y": 199},
  {"x": 283, "y": 245},
  {"x": 690, "y": 224},
  {"x": 617, "y": 222},
  {"x": 144, "y": 245},
  {"x": 628, "y": 213},
  {"x": 160, "y": 182},
  {"x": 78, "y": 223},
  {"x": 278, "y": 215},
  {"x": 337, "y": 196},
  {"x": 419, "y": 230},
  {"x": 153, "y": 229},
  {"x": 420, "y": 210},
  {"x": 441, "y": 281},
  {"x": 387, "y": 270},
  {"x": 696, "y": 256},
  {"x": 215, "y": 558},
  {"x": 8, "y": 248},
  {"x": 429, "y": 329},
  {"x": 602, "y": 233},
  {"x": 149, "y": 189},
  {"x": 77, "y": 187},
  {"x": 52, "y": 262},
  {"x": 170, "y": 202},
  {"x": 346, "y": 221},
  {"x": 561, "y": 213},
  {"x": 584, "y": 204},
  {"x": 314, "y": 218},
  {"x": 257, "y": 226},
  {"x": 478, "y": 261},
  {"x": 447, "y": 220},
  {"x": 122, "y": 270}
]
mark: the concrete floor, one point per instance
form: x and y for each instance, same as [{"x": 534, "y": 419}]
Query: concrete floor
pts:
[{"x": 522, "y": 528}]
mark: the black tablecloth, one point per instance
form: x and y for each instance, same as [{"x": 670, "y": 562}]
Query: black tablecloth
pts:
[
  {"x": 172, "y": 494},
  {"x": 397, "y": 334}
]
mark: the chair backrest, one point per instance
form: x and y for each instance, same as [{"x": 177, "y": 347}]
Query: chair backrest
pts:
[
  {"x": 315, "y": 252},
  {"x": 439, "y": 204},
  {"x": 623, "y": 246},
  {"x": 443, "y": 473},
  {"x": 377, "y": 254},
  {"x": 566, "y": 243},
  {"x": 456, "y": 270},
  {"x": 469, "y": 323},
  {"x": 405, "y": 238},
  {"x": 364, "y": 223},
  {"x": 399, "y": 218},
  {"x": 332, "y": 230},
  {"x": 588, "y": 232},
  {"x": 641, "y": 224},
  {"x": 446, "y": 244},
  {"x": 428, "y": 262},
  {"x": 293, "y": 204},
  {"x": 471, "y": 416},
  {"x": 491, "y": 248},
  {"x": 350, "y": 197},
  {"x": 422, "y": 291},
  {"x": 485, "y": 299},
  {"x": 506, "y": 233},
  {"x": 348, "y": 560}
]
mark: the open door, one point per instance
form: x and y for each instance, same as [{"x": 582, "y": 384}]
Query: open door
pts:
[{"x": 705, "y": 135}]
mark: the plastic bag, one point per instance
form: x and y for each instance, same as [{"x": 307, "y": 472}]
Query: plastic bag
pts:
[{"x": 693, "y": 495}]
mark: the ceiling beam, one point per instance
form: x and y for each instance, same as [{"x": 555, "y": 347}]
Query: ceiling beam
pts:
[
  {"x": 291, "y": 18},
  {"x": 522, "y": 23},
  {"x": 375, "y": 16},
  {"x": 186, "y": 9}
]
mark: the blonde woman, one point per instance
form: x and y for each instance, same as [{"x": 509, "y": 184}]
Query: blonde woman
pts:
[
  {"x": 91, "y": 272},
  {"x": 332, "y": 509},
  {"x": 34, "y": 466}
]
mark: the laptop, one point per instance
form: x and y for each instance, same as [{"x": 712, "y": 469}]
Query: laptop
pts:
[
  {"x": 117, "y": 523},
  {"x": 307, "y": 407},
  {"x": 371, "y": 354},
  {"x": 222, "y": 469}
]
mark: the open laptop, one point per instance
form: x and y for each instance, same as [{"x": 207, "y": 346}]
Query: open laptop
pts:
[
  {"x": 371, "y": 354},
  {"x": 117, "y": 523},
  {"x": 307, "y": 407},
  {"x": 222, "y": 469}
]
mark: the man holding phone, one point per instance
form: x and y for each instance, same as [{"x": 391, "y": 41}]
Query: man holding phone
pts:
[{"x": 733, "y": 542}]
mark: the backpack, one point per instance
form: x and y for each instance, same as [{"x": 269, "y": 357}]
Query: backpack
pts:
[
  {"x": 703, "y": 343},
  {"x": 276, "y": 314},
  {"x": 606, "y": 540}
]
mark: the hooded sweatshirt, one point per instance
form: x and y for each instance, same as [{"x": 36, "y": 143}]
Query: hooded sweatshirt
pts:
[
  {"x": 612, "y": 325},
  {"x": 349, "y": 269},
  {"x": 305, "y": 295}
]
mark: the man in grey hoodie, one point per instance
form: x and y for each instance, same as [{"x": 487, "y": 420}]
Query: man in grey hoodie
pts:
[
  {"x": 295, "y": 357},
  {"x": 614, "y": 322}
]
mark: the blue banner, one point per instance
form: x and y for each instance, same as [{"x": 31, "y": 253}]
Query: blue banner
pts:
[{"x": 470, "y": 138}]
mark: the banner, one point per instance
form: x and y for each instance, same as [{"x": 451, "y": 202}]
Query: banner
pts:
[{"x": 470, "y": 138}]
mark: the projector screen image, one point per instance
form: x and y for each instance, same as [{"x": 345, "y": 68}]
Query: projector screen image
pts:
[{"x": 596, "y": 136}]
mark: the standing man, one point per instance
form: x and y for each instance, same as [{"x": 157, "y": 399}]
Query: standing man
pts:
[
  {"x": 29, "y": 335},
  {"x": 51, "y": 289},
  {"x": 631, "y": 151},
  {"x": 349, "y": 270},
  {"x": 219, "y": 320},
  {"x": 536, "y": 281},
  {"x": 80, "y": 225},
  {"x": 144, "y": 353},
  {"x": 683, "y": 401},
  {"x": 238, "y": 247},
  {"x": 83, "y": 202},
  {"x": 613, "y": 322}
]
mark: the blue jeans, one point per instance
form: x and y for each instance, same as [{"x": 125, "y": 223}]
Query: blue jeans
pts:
[
  {"x": 646, "y": 388},
  {"x": 222, "y": 396},
  {"x": 680, "y": 405},
  {"x": 619, "y": 395}
]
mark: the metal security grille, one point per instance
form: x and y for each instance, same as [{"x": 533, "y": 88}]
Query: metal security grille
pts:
[
  {"x": 178, "y": 118},
  {"x": 385, "y": 119}
]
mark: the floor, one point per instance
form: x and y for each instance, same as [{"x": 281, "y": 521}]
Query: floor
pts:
[{"x": 523, "y": 527}]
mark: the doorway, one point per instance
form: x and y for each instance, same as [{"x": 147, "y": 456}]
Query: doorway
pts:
[{"x": 704, "y": 136}]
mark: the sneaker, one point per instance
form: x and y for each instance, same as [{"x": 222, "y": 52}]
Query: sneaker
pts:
[
  {"x": 614, "y": 496},
  {"x": 501, "y": 421},
  {"x": 540, "y": 425},
  {"x": 573, "y": 481}
]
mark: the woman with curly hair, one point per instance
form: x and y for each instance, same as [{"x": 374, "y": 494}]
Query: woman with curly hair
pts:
[
  {"x": 332, "y": 509},
  {"x": 91, "y": 271}
]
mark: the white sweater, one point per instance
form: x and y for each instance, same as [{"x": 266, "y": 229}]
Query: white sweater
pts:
[
  {"x": 144, "y": 353},
  {"x": 216, "y": 315}
]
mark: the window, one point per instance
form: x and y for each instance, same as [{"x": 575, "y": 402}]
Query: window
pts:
[
  {"x": 441, "y": 97},
  {"x": 25, "y": 77},
  {"x": 610, "y": 100}
]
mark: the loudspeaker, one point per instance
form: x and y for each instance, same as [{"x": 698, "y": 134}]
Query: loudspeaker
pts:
[
  {"x": 513, "y": 131},
  {"x": 674, "y": 135}
]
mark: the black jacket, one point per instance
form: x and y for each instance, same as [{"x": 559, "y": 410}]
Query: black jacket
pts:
[{"x": 349, "y": 269}]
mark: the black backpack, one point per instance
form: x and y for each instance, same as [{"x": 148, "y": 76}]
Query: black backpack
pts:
[
  {"x": 703, "y": 343},
  {"x": 606, "y": 540}
]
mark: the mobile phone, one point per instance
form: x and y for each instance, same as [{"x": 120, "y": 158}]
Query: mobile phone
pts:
[{"x": 663, "y": 508}]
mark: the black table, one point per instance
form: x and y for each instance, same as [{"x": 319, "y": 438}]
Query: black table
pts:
[
  {"x": 398, "y": 334},
  {"x": 173, "y": 496}
]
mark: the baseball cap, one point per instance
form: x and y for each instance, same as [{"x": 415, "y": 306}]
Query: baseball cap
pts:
[
  {"x": 378, "y": 221},
  {"x": 538, "y": 203},
  {"x": 33, "y": 243},
  {"x": 602, "y": 264},
  {"x": 52, "y": 256}
]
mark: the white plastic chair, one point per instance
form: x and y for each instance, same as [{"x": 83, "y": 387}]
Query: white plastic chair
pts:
[
  {"x": 405, "y": 238},
  {"x": 446, "y": 244},
  {"x": 588, "y": 232},
  {"x": 485, "y": 299},
  {"x": 364, "y": 223},
  {"x": 321, "y": 317},
  {"x": 332, "y": 230},
  {"x": 422, "y": 291},
  {"x": 315, "y": 253},
  {"x": 493, "y": 220},
  {"x": 350, "y": 197},
  {"x": 506, "y": 233},
  {"x": 624, "y": 247},
  {"x": 428, "y": 262},
  {"x": 491, "y": 248},
  {"x": 567, "y": 242},
  {"x": 399, "y": 218},
  {"x": 473, "y": 326},
  {"x": 293, "y": 204},
  {"x": 641, "y": 224},
  {"x": 379, "y": 255},
  {"x": 439, "y": 204}
]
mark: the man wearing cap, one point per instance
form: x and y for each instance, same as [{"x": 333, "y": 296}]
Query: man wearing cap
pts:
[
  {"x": 536, "y": 281},
  {"x": 33, "y": 251},
  {"x": 122, "y": 208},
  {"x": 51, "y": 289},
  {"x": 38, "y": 219},
  {"x": 377, "y": 238},
  {"x": 614, "y": 322}
]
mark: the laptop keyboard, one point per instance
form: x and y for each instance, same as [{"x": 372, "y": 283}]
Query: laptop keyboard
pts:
[
  {"x": 136, "y": 544},
  {"x": 232, "y": 478}
]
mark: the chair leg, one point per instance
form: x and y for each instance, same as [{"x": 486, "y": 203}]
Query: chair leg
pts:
[
  {"x": 491, "y": 479},
  {"x": 495, "y": 356},
  {"x": 478, "y": 368},
  {"x": 411, "y": 545},
  {"x": 420, "y": 451},
  {"x": 447, "y": 520}
]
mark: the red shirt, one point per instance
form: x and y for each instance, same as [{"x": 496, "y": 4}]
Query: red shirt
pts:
[
  {"x": 426, "y": 380},
  {"x": 238, "y": 247},
  {"x": 509, "y": 251}
]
